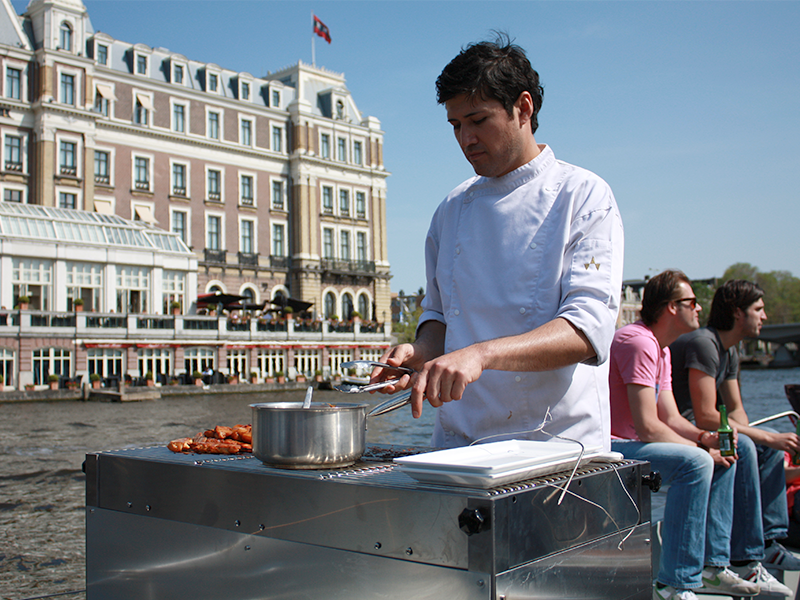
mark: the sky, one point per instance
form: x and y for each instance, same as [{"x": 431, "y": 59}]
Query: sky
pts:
[{"x": 689, "y": 110}]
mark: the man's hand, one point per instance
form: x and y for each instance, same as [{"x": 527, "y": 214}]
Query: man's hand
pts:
[
  {"x": 788, "y": 442},
  {"x": 723, "y": 461},
  {"x": 444, "y": 379}
]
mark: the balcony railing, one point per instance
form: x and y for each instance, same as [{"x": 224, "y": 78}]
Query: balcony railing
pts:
[
  {"x": 13, "y": 166},
  {"x": 280, "y": 262},
  {"x": 214, "y": 196},
  {"x": 102, "y": 179},
  {"x": 249, "y": 259},
  {"x": 178, "y": 191},
  {"x": 215, "y": 256},
  {"x": 142, "y": 186},
  {"x": 66, "y": 170},
  {"x": 348, "y": 266}
]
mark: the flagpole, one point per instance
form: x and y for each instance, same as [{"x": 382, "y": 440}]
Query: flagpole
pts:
[{"x": 313, "y": 46}]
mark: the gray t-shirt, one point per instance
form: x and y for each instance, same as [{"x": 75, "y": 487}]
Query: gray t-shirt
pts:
[{"x": 701, "y": 350}]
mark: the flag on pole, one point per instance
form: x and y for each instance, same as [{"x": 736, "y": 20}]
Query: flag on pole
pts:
[{"x": 322, "y": 30}]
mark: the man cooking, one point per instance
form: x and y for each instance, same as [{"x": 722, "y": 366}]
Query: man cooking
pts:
[{"x": 524, "y": 272}]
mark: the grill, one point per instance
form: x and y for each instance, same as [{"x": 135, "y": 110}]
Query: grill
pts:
[{"x": 164, "y": 525}]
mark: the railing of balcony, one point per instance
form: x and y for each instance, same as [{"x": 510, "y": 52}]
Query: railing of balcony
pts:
[
  {"x": 214, "y": 256},
  {"x": 349, "y": 266},
  {"x": 280, "y": 262},
  {"x": 248, "y": 258}
]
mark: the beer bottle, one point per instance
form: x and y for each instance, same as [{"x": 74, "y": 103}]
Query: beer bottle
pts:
[
  {"x": 796, "y": 457},
  {"x": 726, "y": 445}
]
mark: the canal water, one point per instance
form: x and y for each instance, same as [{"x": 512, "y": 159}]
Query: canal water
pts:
[{"x": 43, "y": 445}]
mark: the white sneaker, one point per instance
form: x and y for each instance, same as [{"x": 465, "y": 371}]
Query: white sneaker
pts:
[
  {"x": 721, "y": 580},
  {"x": 778, "y": 557},
  {"x": 756, "y": 573},
  {"x": 670, "y": 593}
]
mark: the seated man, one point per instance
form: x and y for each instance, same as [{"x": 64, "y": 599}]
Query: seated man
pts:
[
  {"x": 646, "y": 425},
  {"x": 705, "y": 371}
]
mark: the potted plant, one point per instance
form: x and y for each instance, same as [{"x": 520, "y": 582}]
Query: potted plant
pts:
[
  {"x": 176, "y": 307},
  {"x": 24, "y": 301},
  {"x": 72, "y": 384},
  {"x": 53, "y": 381},
  {"x": 172, "y": 381},
  {"x": 233, "y": 379},
  {"x": 198, "y": 378},
  {"x": 148, "y": 377},
  {"x": 318, "y": 376},
  {"x": 77, "y": 304},
  {"x": 254, "y": 377},
  {"x": 29, "y": 387},
  {"x": 355, "y": 316},
  {"x": 300, "y": 377},
  {"x": 280, "y": 377},
  {"x": 95, "y": 379},
  {"x": 287, "y": 312},
  {"x": 2, "y": 383}
]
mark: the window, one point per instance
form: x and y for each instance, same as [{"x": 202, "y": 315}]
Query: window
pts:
[
  {"x": 278, "y": 230},
  {"x": 246, "y": 242},
  {"x": 178, "y": 179},
  {"x": 344, "y": 245},
  {"x": 277, "y": 195},
  {"x": 67, "y": 200},
  {"x": 65, "y": 37},
  {"x": 246, "y": 188},
  {"x": 325, "y": 145},
  {"x": 13, "y": 152},
  {"x": 67, "y": 154},
  {"x": 141, "y": 113},
  {"x": 101, "y": 104},
  {"x": 177, "y": 74},
  {"x": 32, "y": 278},
  {"x": 102, "y": 172},
  {"x": 344, "y": 202},
  {"x": 357, "y": 153},
  {"x": 245, "y": 91},
  {"x": 327, "y": 200},
  {"x": 341, "y": 149},
  {"x": 327, "y": 243},
  {"x": 213, "y": 125},
  {"x": 133, "y": 289},
  {"x": 7, "y": 366},
  {"x": 141, "y": 168},
  {"x": 212, "y": 82},
  {"x": 199, "y": 359},
  {"x": 51, "y": 361},
  {"x": 179, "y": 224},
  {"x": 179, "y": 118},
  {"x": 213, "y": 232},
  {"x": 13, "y": 83},
  {"x": 173, "y": 289},
  {"x": 85, "y": 281},
  {"x": 363, "y": 307},
  {"x": 246, "y": 132},
  {"x": 361, "y": 204},
  {"x": 67, "y": 89},
  {"x": 102, "y": 54},
  {"x": 12, "y": 195},
  {"x": 270, "y": 362},
  {"x": 141, "y": 64},
  {"x": 277, "y": 139},
  {"x": 214, "y": 185},
  {"x": 330, "y": 310},
  {"x": 361, "y": 246},
  {"x": 105, "y": 361},
  {"x": 276, "y": 98}
]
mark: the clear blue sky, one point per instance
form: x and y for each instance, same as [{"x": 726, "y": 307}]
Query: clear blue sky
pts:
[{"x": 690, "y": 110}]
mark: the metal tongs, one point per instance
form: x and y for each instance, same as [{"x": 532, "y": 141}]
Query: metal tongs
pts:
[{"x": 355, "y": 388}]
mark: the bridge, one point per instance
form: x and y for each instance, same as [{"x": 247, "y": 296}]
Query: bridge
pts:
[{"x": 780, "y": 335}]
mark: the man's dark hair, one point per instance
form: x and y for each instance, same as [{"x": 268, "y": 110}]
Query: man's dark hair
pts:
[
  {"x": 660, "y": 291},
  {"x": 492, "y": 71},
  {"x": 733, "y": 294}
]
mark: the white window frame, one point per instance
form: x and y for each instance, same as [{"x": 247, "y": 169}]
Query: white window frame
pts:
[
  {"x": 109, "y": 101},
  {"x": 111, "y": 162},
  {"x": 150, "y": 110},
  {"x": 285, "y": 241},
  {"x": 342, "y": 150},
  {"x": 149, "y": 205},
  {"x": 272, "y": 93},
  {"x": 188, "y": 213},
  {"x": 277, "y": 129},
  {"x": 186, "y": 175},
  {"x": 77, "y": 86},
  {"x": 357, "y": 214},
  {"x": 367, "y": 253},
  {"x": 72, "y": 35},
  {"x": 251, "y": 121},
  {"x": 68, "y": 189},
  {"x": 184, "y": 68},
  {"x": 221, "y": 171},
  {"x": 107, "y": 46},
  {"x": 17, "y": 188},
  {"x": 283, "y": 199},
  {"x": 332, "y": 210},
  {"x": 360, "y": 161},
  {"x": 220, "y": 123},
  {"x": 338, "y": 202},
  {"x": 221, "y": 217},
  {"x": 150, "y": 165},
  {"x": 251, "y": 87},
  {"x": 23, "y": 149},
  {"x": 218, "y": 75},
  {"x": 186, "y": 108},
  {"x": 137, "y": 56},
  {"x": 322, "y": 151},
  {"x": 78, "y": 155},
  {"x": 23, "y": 80},
  {"x": 254, "y": 179},
  {"x": 254, "y": 239}
]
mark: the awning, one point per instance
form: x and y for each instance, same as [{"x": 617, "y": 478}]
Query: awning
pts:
[
  {"x": 297, "y": 305},
  {"x": 145, "y": 213},
  {"x": 145, "y": 101},
  {"x": 107, "y": 92},
  {"x": 105, "y": 207},
  {"x": 218, "y": 298}
]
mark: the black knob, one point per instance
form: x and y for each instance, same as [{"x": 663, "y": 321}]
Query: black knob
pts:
[
  {"x": 652, "y": 480},
  {"x": 473, "y": 520}
]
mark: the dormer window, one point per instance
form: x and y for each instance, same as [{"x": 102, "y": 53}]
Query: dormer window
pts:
[
  {"x": 276, "y": 98},
  {"x": 101, "y": 53},
  {"x": 177, "y": 74},
  {"x": 213, "y": 82},
  {"x": 339, "y": 109},
  {"x": 65, "y": 37},
  {"x": 141, "y": 64},
  {"x": 245, "y": 95}
]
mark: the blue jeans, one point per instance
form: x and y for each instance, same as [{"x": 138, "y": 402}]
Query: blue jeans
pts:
[
  {"x": 697, "y": 518},
  {"x": 759, "y": 501}
]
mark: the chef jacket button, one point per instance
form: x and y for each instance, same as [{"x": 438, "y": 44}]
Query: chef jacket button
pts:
[
  {"x": 517, "y": 378},
  {"x": 458, "y": 250},
  {"x": 456, "y": 312},
  {"x": 522, "y": 310},
  {"x": 533, "y": 245}
]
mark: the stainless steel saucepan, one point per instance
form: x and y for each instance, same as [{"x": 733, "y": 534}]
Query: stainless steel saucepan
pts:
[{"x": 321, "y": 436}]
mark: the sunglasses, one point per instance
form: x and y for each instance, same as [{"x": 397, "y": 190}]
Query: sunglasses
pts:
[{"x": 692, "y": 302}]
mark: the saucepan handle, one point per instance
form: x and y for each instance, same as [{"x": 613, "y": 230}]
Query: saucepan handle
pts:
[{"x": 391, "y": 404}]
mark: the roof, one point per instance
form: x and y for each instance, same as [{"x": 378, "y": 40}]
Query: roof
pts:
[{"x": 43, "y": 223}]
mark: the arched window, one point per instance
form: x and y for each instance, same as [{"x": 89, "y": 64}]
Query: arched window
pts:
[
  {"x": 363, "y": 307},
  {"x": 65, "y": 37},
  {"x": 249, "y": 294},
  {"x": 347, "y": 307},
  {"x": 214, "y": 289},
  {"x": 330, "y": 305}
]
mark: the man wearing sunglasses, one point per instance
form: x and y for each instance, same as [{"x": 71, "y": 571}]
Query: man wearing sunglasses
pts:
[
  {"x": 705, "y": 370},
  {"x": 646, "y": 425}
]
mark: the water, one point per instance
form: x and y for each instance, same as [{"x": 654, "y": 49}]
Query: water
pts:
[{"x": 43, "y": 445}]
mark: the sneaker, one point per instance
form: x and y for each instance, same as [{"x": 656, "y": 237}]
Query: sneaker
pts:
[
  {"x": 778, "y": 557},
  {"x": 756, "y": 573},
  {"x": 667, "y": 592},
  {"x": 721, "y": 580}
]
